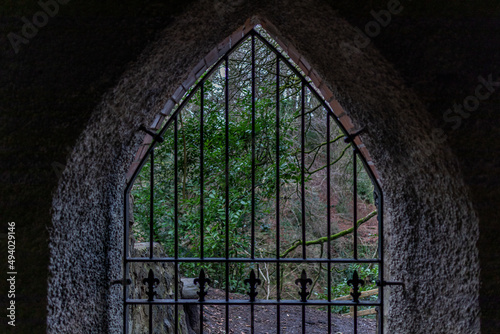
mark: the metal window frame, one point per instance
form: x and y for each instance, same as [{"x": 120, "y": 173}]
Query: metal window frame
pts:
[{"x": 157, "y": 138}]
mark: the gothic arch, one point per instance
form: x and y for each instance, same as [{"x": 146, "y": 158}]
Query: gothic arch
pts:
[{"x": 427, "y": 203}]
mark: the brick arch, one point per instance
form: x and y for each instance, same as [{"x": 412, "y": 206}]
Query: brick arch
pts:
[{"x": 427, "y": 204}]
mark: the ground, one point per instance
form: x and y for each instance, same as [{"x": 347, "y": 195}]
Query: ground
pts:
[{"x": 265, "y": 319}]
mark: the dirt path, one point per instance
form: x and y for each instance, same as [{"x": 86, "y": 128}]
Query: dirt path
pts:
[{"x": 265, "y": 319}]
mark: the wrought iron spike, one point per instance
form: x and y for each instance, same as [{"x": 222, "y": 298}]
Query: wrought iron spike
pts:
[
  {"x": 303, "y": 281},
  {"x": 151, "y": 282},
  {"x": 355, "y": 282},
  {"x": 202, "y": 281},
  {"x": 253, "y": 281}
]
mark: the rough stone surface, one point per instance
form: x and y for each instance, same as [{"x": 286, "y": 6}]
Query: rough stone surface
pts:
[
  {"x": 163, "y": 316},
  {"x": 441, "y": 197},
  {"x": 190, "y": 291}
]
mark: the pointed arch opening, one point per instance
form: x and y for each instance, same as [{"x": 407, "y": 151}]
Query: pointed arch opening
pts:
[{"x": 251, "y": 180}]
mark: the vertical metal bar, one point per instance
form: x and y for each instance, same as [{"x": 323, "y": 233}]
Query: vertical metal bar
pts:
[
  {"x": 252, "y": 318},
  {"x": 253, "y": 149},
  {"x": 355, "y": 200},
  {"x": 125, "y": 317},
  {"x": 201, "y": 318},
  {"x": 151, "y": 203},
  {"x": 151, "y": 231},
  {"x": 355, "y": 319},
  {"x": 278, "y": 227},
  {"x": 302, "y": 185},
  {"x": 303, "y": 319},
  {"x": 226, "y": 116},
  {"x": 355, "y": 218},
  {"x": 302, "y": 167},
  {"x": 150, "y": 318},
  {"x": 381, "y": 265},
  {"x": 126, "y": 238},
  {"x": 202, "y": 180},
  {"x": 176, "y": 226},
  {"x": 176, "y": 314},
  {"x": 328, "y": 220}
]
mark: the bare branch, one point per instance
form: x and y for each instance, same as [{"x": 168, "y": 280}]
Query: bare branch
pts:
[{"x": 322, "y": 240}]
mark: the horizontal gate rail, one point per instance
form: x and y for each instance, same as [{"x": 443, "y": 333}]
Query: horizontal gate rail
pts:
[
  {"x": 314, "y": 302},
  {"x": 363, "y": 294},
  {"x": 256, "y": 260}
]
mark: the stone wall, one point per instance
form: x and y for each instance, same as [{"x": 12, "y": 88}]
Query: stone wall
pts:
[{"x": 163, "y": 316}]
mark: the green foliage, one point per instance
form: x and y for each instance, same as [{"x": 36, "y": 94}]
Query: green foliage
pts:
[
  {"x": 364, "y": 184},
  {"x": 199, "y": 181},
  {"x": 212, "y": 197},
  {"x": 366, "y": 272}
]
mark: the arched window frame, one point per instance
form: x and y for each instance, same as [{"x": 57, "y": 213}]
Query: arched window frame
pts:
[{"x": 357, "y": 153}]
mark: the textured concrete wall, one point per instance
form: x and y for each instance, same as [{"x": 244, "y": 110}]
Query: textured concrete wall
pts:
[
  {"x": 163, "y": 317},
  {"x": 428, "y": 206},
  {"x": 425, "y": 62}
]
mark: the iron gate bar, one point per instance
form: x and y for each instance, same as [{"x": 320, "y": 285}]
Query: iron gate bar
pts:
[
  {"x": 202, "y": 179},
  {"x": 126, "y": 238},
  {"x": 291, "y": 302},
  {"x": 253, "y": 174},
  {"x": 252, "y": 220},
  {"x": 150, "y": 318},
  {"x": 355, "y": 282},
  {"x": 329, "y": 222},
  {"x": 278, "y": 178},
  {"x": 256, "y": 260},
  {"x": 176, "y": 224},
  {"x": 227, "y": 260},
  {"x": 380, "y": 208},
  {"x": 302, "y": 186},
  {"x": 355, "y": 318},
  {"x": 202, "y": 200},
  {"x": 226, "y": 117},
  {"x": 150, "y": 282},
  {"x": 355, "y": 201},
  {"x": 151, "y": 202},
  {"x": 302, "y": 167}
]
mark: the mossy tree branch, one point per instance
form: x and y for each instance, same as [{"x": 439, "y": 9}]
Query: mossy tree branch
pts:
[{"x": 322, "y": 240}]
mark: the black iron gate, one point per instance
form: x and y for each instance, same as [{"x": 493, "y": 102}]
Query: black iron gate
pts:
[{"x": 283, "y": 171}]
